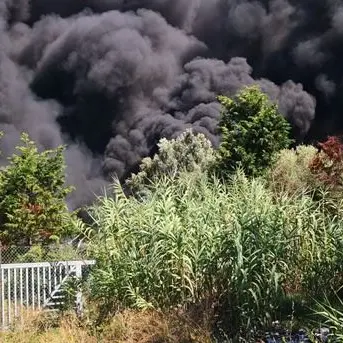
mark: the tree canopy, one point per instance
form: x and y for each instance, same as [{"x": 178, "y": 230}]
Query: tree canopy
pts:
[
  {"x": 252, "y": 130},
  {"x": 32, "y": 196}
]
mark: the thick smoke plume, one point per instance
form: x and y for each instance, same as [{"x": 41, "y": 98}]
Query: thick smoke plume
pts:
[{"x": 110, "y": 77}]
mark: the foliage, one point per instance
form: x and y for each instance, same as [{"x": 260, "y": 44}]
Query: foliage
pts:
[
  {"x": 50, "y": 253},
  {"x": 69, "y": 291},
  {"x": 332, "y": 315},
  {"x": 252, "y": 130},
  {"x": 32, "y": 196},
  {"x": 189, "y": 152},
  {"x": 241, "y": 251},
  {"x": 327, "y": 165},
  {"x": 291, "y": 171},
  {"x": 235, "y": 247}
]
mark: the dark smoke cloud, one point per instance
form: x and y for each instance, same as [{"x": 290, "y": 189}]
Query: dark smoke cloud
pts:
[{"x": 110, "y": 77}]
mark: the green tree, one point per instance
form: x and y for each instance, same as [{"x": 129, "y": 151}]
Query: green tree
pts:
[
  {"x": 252, "y": 130},
  {"x": 187, "y": 153},
  {"x": 32, "y": 196}
]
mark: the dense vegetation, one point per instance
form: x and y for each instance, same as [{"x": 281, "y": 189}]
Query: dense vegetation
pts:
[
  {"x": 32, "y": 196},
  {"x": 232, "y": 239},
  {"x": 252, "y": 131}
]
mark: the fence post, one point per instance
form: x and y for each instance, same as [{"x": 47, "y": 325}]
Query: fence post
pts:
[{"x": 78, "y": 302}]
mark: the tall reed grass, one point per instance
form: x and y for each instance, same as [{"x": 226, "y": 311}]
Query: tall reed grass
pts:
[{"x": 236, "y": 249}]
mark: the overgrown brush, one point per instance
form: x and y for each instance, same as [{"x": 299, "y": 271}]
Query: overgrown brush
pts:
[
  {"x": 126, "y": 327},
  {"x": 291, "y": 173},
  {"x": 236, "y": 248},
  {"x": 332, "y": 314}
]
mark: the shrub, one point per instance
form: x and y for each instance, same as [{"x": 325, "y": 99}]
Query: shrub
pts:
[
  {"x": 47, "y": 253},
  {"x": 189, "y": 152},
  {"x": 291, "y": 171},
  {"x": 327, "y": 165},
  {"x": 327, "y": 170},
  {"x": 252, "y": 130}
]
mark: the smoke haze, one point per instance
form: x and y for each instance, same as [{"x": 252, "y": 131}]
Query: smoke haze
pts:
[{"x": 110, "y": 77}]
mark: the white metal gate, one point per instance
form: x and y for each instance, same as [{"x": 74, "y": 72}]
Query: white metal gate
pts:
[{"x": 35, "y": 286}]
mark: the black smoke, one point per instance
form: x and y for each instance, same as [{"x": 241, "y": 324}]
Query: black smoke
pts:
[{"x": 110, "y": 77}]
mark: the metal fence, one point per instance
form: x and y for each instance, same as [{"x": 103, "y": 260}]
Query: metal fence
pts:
[{"x": 32, "y": 278}]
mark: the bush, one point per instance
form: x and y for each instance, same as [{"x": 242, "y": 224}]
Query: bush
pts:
[
  {"x": 189, "y": 152},
  {"x": 291, "y": 171},
  {"x": 327, "y": 171},
  {"x": 252, "y": 130},
  {"x": 327, "y": 165},
  {"x": 48, "y": 253}
]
